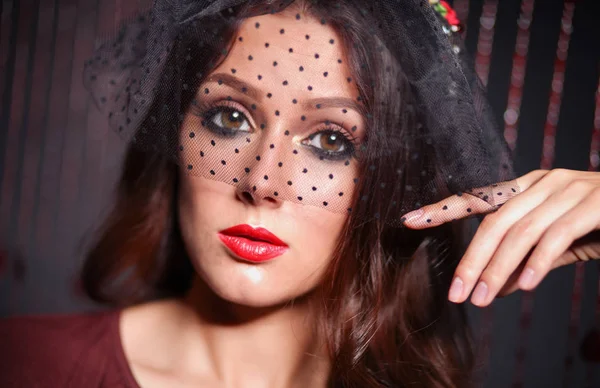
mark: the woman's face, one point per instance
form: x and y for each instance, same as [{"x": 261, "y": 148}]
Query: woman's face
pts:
[{"x": 268, "y": 143}]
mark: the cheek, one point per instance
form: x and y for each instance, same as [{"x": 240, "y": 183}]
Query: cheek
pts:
[
  {"x": 198, "y": 205},
  {"x": 317, "y": 234},
  {"x": 189, "y": 196},
  {"x": 188, "y": 215},
  {"x": 207, "y": 206},
  {"x": 312, "y": 233}
]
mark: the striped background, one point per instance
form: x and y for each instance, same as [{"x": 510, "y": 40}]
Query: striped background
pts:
[{"x": 58, "y": 162}]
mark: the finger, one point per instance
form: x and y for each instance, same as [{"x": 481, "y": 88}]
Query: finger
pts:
[
  {"x": 452, "y": 208},
  {"x": 492, "y": 230},
  {"x": 579, "y": 221},
  {"x": 481, "y": 200},
  {"x": 512, "y": 284},
  {"x": 582, "y": 249},
  {"x": 522, "y": 237}
]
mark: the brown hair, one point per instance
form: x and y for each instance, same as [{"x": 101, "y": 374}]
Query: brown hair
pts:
[{"x": 385, "y": 309}]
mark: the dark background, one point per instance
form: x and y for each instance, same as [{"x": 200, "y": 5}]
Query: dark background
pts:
[{"x": 58, "y": 163}]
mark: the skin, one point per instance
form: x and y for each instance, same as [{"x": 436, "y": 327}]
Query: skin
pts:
[
  {"x": 554, "y": 221},
  {"x": 238, "y": 327}
]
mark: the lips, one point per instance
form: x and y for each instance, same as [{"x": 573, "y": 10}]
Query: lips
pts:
[{"x": 252, "y": 244}]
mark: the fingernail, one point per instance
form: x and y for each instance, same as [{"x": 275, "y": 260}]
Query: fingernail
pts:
[
  {"x": 526, "y": 278},
  {"x": 480, "y": 293},
  {"x": 456, "y": 289},
  {"x": 414, "y": 214}
]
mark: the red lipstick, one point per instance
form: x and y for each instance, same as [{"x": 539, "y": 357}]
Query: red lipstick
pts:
[{"x": 252, "y": 244}]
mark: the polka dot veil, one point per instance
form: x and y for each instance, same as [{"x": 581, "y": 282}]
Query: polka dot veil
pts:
[{"x": 354, "y": 108}]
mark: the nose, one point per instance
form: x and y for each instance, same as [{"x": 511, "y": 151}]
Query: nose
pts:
[
  {"x": 261, "y": 186},
  {"x": 256, "y": 190},
  {"x": 256, "y": 196}
]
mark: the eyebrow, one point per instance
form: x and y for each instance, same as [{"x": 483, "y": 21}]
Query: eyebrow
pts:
[
  {"x": 336, "y": 102},
  {"x": 322, "y": 102},
  {"x": 235, "y": 83}
]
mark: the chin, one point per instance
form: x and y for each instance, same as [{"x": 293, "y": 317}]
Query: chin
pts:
[{"x": 251, "y": 285}]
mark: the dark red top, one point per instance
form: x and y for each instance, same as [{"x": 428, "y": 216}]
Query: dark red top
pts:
[{"x": 79, "y": 351}]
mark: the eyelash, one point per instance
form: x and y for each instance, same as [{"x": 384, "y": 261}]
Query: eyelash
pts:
[
  {"x": 349, "y": 146},
  {"x": 209, "y": 112}
]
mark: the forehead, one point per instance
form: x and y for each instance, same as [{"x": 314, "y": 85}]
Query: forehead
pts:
[{"x": 291, "y": 53}]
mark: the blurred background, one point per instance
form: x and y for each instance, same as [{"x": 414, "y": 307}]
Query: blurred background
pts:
[{"x": 540, "y": 60}]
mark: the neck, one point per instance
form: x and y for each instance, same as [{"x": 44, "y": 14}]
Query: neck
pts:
[{"x": 259, "y": 347}]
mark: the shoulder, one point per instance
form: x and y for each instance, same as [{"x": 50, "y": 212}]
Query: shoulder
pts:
[
  {"x": 54, "y": 324},
  {"x": 54, "y": 348}
]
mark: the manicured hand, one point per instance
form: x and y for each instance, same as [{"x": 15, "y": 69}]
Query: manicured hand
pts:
[{"x": 553, "y": 221}]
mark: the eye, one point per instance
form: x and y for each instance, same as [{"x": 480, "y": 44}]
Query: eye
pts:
[
  {"x": 329, "y": 141},
  {"x": 226, "y": 120},
  {"x": 331, "y": 144}
]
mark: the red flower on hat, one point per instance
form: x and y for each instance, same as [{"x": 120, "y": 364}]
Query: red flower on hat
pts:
[{"x": 450, "y": 14}]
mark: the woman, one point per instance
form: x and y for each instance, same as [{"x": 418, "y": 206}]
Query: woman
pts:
[{"x": 255, "y": 239}]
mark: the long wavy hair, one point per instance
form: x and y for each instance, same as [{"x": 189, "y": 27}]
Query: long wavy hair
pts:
[{"x": 384, "y": 298}]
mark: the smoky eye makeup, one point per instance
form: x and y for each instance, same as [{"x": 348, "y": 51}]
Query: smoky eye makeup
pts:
[
  {"x": 217, "y": 93},
  {"x": 230, "y": 108},
  {"x": 227, "y": 118},
  {"x": 330, "y": 143},
  {"x": 348, "y": 121},
  {"x": 227, "y": 122}
]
